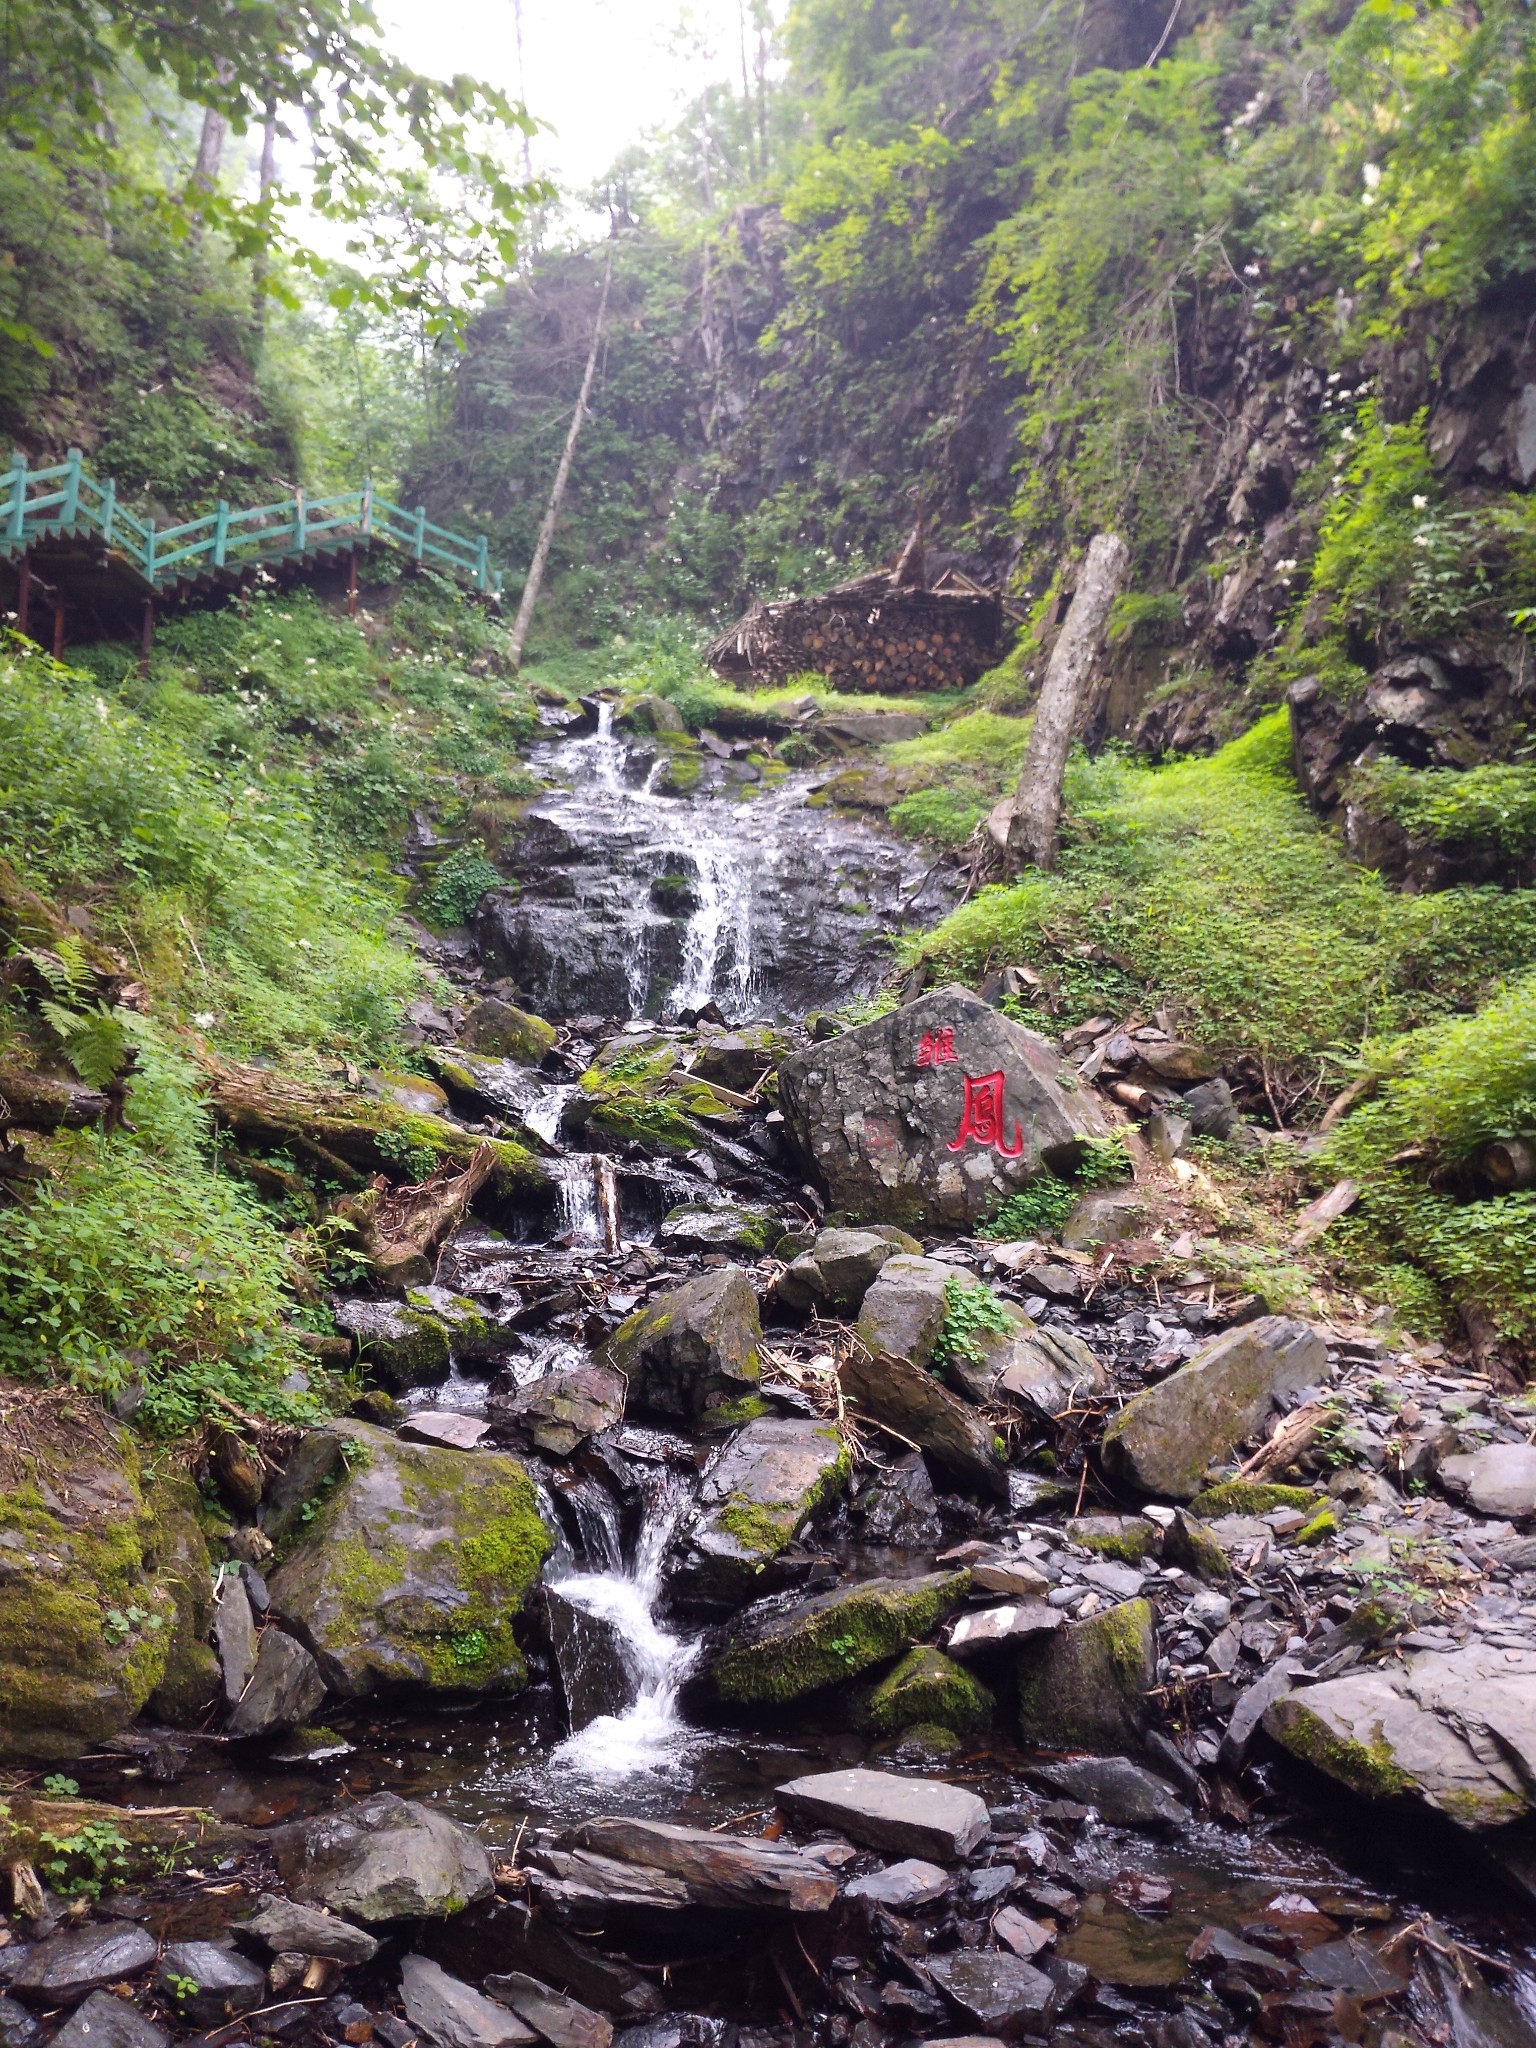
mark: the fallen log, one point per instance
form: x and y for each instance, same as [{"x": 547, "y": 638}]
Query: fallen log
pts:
[
  {"x": 1292, "y": 1440},
  {"x": 403, "y": 1227},
  {"x": 38, "y": 1102},
  {"x": 1509, "y": 1164},
  {"x": 361, "y": 1134}
]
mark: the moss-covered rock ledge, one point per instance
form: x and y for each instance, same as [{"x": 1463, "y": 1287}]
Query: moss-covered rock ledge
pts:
[{"x": 406, "y": 1566}]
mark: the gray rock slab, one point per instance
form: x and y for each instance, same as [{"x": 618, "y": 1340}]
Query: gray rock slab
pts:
[
  {"x": 1456, "y": 1729},
  {"x": 209, "y": 1982},
  {"x": 998, "y": 1991},
  {"x": 452, "y": 2014},
  {"x": 65, "y": 1967},
  {"x": 983, "y": 1627},
  {"x": 106, "y": 2022},
  {"x": 593, "y": 1656},
  {"x": 1126, "y": 1795},
  {"x": 1498, "y": 1480},
  {"x": 903, "y": 1309},
  {"x": 285, "y": 1689},
  {"x": 840, "y": 1268},
  {"x": 901, "y": 1886},
  {"x": 234, "y": 1637},
  {"x": 904, "y": 1122},
  {"x": 1165, "y": 1437},
  {"x": 562, "y": 2022},
  {"x": 285, "y": 1927},
  {"x": 921, "y": 1817},
  {"x": 385, "y": 1858},
  {"x": 563, "y": 1409},
  {"x": 1110, "y": 1216},
  {"x": 910, "y": 1399},
  {"x": 719, "y": 1870},
  {"x": 448, "y": 1426},
  {"x": 691, "y": 1349},
  {"x": 18, "y": 2028}
]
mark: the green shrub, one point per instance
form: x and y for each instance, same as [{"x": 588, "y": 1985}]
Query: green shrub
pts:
[
  {"x": 1492, "y": 805},
  {"x": 971, "y": 1310},
  {"x": 458, "y": 885}
]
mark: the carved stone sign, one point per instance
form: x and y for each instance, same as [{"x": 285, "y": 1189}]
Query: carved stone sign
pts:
[{"x": 935, "y": 1114}]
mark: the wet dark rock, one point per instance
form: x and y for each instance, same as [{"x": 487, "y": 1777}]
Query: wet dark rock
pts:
[
  {"x": 285, "y": 1689},
  {"x": 452, "y": 2014},
  {"x": 209, "y": 1983},
  {"x": 782, "y": 1653},
  {"x": 756, "y": 1496},
  {"x": 833, "y": 1275},
  {"x": 1215, "y": 1948},
  {"x": 918, "y": 1817},
  {"x": 562, "y": 2022},
  {"x": 101, "y": 2022},
  {"x": 926, "y": 1688},
  {"x": 1126, "y": 1795},
  {"x": 407, "y": 1347},
  {"x": 1498, "y": 1480},
  {"x": 592, "y": 1657},
  {"x": 898, "y": 1507},
  {"x": 415, "y": 1568},
  {"x": 999, "y": 1991},
  {"x": 18, "y": 2029},
  {"x": 674, "y": 2030},
  {"x": 737, "y": 1059},
  {"x": 918, "y": 1408},
  {"x": 384, "y": 1858},
  {"x": 1365, "y": 1970},
  {"x": 895, "y": 1140},
  {"x": 1164, "y": 1439},
  {"x": 282, "y": 1926},
  {"x": 563, "y": 1409},
  {"x": 1086, "y": 1686},
  {"x": 574, "y": 1881},
  {"x": 717, "y": 1869},
  {"x": 62, "y": 1969},
  {"x": 503, "y": 1934},
  {"x": 901, "y": 1886},
  {"x": 692, "y": 1349},
  {"x": 1107, "y": 1217}
]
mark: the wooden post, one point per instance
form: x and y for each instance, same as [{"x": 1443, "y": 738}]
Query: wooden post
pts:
[
  {"x": 146, "y": 632},
  {"x": 58, "y": 631},
  {"x": 300, "y": 523},
  {"x": 421, "y": 531},
  {"x": 108, "y": 510},
  {"x": 24, "y": 595},
  {"x": 365, "y": 524},
  {"x": 220, "y": 532},
  {"x": 352, "y": 584},
  {"x": 16, "y": 525},
  {"x": 149, "y": 551},
  {"x": 71, "y": 490},
  {"x": 482, "y": 562},
  {"x": 1034, "y": 828}
]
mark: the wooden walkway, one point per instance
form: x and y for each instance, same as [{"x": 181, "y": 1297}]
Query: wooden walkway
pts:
[{"x": 45, "y": 513}]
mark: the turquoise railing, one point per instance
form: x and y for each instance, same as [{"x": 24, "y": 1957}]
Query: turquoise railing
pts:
[{"x": 65, "y": 500}]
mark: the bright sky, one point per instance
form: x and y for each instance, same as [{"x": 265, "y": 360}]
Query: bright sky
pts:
[{"x": 598, "y": 72}]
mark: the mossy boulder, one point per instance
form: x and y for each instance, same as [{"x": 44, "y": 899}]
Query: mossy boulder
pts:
[
  {"x": 1252, "y": 1497},
  {"x": 739, "y": 1059},
  {"x": 833, "y": 1636},
  {"x": 506, "y": 1032},
  {"x": 1125, "y": 1537},
  {"x": 719, "y": 1227},
  {"x": 410, "y": 1343},
  {"x": 413, "y": 1566},
  {"x": 926, "y": 1688},
  {"x": 757, "y": 1495},
  {"x": 1086, "y": 1686},
  {"x": 691, "y": 1350},
  {"x": 624, "y": 1108},
  {"x": 178, "y": 1555},
  {"x": 409, "y": 1091},
  {"x": 653, "y": 714},
  {"x": 99, "y": 1579}
]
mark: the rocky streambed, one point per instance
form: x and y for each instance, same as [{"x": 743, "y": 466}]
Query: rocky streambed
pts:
[{"x": 746, "y": 1606}]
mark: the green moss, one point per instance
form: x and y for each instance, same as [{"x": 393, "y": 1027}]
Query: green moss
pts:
[
  {"x": 1251, "y": 1497},
  {"x": 926, "y": 1687},
  {"x": 762, "y": 1528},
  {"x": 1129, "y": 1545},
  {"x": 734, "y": 1414},
  {"x": 621, "y": 1109},
  {"x": 1323, "y": 1524},
  {"x": 1086, "y": 1686},
  {"x": 836, "y": 1636}
]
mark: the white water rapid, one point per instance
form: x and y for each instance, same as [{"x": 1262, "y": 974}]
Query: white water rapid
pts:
[{"x": 650, "y": 1737}]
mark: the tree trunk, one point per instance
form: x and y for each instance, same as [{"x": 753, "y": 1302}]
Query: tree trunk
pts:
[
  {"x": 1033, "y": 829},
  {"x": 1509, "y": 1164},
  {"x": 541, "y": 548},
  {"x": 210, "y": 150},
  {"x": 34, "y": 1102}
]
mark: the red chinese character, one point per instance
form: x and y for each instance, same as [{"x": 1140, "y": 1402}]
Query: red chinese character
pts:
[
  {"x": 982, "y": 1118},
  {"x": 935, "y": 1048}
]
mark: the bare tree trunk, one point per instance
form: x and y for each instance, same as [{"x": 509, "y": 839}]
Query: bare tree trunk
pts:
[
  {"x": 1035, "y": 824},
  {"x": 210, "y": 150},
  {"x": 546, "y": 537}
]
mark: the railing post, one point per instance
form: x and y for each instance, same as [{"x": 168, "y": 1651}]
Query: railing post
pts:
[
  {"x": 108, "y": 510},
  {"x": 149, "y": 551},
  {"x": 365, "y": 524},
  {"x": 482, "y": 562},
  {"x": 220, "y": 532},
  {"x": 16, "y": 525},
  {"x": 421, "y": 531},
  {"x": 71, "y": 489},
  {"x": 300, "y": 523}
]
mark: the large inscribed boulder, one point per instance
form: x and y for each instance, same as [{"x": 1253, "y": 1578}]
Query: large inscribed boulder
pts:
[{"x": 935, "y": 1114}]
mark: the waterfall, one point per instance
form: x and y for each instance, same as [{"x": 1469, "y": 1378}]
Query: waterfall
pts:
[
  {"x": 717, "y": 945},
  {"x": 645, "y": 1662},
  {"x": 575, "y": 1175}
]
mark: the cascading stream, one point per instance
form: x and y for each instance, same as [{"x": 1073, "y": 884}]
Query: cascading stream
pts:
[{"x": 649, "y": 1736}]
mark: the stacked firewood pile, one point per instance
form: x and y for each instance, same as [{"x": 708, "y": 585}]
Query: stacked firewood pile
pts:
[{"x": 886, "y": 631}]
